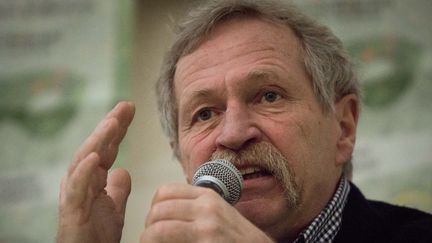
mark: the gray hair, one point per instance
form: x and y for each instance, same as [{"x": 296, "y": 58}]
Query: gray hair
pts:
[{"x": 325, "y": 59}]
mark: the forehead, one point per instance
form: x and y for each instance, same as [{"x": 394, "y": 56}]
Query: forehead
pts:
[{"x": 238, "y": 41}]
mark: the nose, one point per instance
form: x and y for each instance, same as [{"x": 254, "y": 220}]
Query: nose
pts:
[{"x": 238, "y": 129}]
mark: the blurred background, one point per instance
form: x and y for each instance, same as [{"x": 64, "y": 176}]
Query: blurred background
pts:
[{"x": 65, "y": 63}]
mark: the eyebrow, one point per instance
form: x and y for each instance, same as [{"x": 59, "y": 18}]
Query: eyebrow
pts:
[
  {"x": 261, "y": 77},
  {"x": 196, "y": 96},
  {"x": 200, "y": 93},
  {"x": 258, "y": 75}
]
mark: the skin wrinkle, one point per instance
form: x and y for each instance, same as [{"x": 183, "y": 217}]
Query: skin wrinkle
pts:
[
  {"x": 270, "y": 48},
  {"x": 198, "y": 99},
  {"x": 191, "y": 75},
  {"x": 262, "y": 76},
  {"x": 207, "y": 43},
  {"x": 205, "y": 97},
  {"x": 207, "y": 93},
  {"x": 266, "y": 156},
  {"x": 193, "y": 103},
  {"x": 290, "y": 126}
]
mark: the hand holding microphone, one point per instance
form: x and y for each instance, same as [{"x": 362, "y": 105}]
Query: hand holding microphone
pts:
[{"x": 193, "y": 213}]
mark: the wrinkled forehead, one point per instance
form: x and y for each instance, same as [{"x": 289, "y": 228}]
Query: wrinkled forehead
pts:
[
  {"x": 238, "y": 36},
  {"x": 220, "y": 25}
]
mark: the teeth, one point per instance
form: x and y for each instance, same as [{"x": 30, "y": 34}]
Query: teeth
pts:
[{"x": 249, "y": 170}]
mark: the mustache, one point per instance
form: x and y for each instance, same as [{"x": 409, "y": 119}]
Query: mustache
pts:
[
  {"x": 261, "y": 154},
  {"x": 268, "y": 157}
]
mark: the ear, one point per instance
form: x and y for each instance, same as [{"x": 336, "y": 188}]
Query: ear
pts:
[{"x": 347, "y": 114}]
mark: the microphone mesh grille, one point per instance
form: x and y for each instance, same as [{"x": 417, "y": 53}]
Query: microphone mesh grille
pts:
[{"x": 227, "y": 173}]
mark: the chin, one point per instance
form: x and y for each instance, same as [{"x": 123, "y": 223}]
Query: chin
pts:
[{"x": 263, "y": 212}]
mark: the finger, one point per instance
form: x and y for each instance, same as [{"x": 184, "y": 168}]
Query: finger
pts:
[
  {"x": 118, "y": 188},
  {"x": 124, "y": 115},
  {"x": 178, "y": 191},
  {"x": 77, "y": 184},
  {"x": 107, "y": 135},
  {"x": 97, "y": 142},
  {"x": 178, "y": 209},
  {"x": 124, "y": 110},
  {"x": 169, "y": 231},
  {"x": 112, "y": 116}
]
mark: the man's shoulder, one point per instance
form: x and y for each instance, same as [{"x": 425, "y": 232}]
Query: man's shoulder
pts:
[
  {"x": 375, "y": 221},
  {"x": 399, "y": 214},
  {"x": 404, "y": 224}
]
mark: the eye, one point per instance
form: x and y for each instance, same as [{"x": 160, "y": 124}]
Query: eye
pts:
[
  {"x": 204, "y": 115},
  {"x": 271, "y": 96}
]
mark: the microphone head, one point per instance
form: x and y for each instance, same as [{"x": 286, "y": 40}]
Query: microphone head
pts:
[{"x": 221, "y": 176}]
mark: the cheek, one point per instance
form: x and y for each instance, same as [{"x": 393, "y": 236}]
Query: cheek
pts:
[
  {"x": 310, "y": 148},
  {"x": 194, "y": 152},
  {"x": 289, "y": 135},
  {"x": 292, "y": 137}
]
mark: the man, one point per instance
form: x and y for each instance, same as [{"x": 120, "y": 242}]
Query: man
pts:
[{"x": 261, "y": 85}]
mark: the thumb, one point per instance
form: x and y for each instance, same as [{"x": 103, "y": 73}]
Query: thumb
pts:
[{"x": 118, "y": 188}]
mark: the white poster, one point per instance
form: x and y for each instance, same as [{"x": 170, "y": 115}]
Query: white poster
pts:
[{"x": 57, "y": 79}]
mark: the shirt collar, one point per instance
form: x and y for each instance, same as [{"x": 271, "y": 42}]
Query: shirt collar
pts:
[{"x": 327, "y": 224}]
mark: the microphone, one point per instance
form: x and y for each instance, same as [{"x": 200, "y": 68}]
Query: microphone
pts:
[{"x": 221, "y": 176}]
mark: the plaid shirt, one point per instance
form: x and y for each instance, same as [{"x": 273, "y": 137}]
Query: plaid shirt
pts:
[{"x": 327, "y": 224}]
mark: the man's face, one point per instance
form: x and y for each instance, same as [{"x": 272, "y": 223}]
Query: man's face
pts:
[{"x": 246, "y": 86}]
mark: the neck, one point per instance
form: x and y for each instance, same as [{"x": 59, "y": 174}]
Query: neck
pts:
[{"x": 301, "y": 217}]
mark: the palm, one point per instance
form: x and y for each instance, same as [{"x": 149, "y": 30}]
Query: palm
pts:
[
  {"x": 104, "y": 222},
  {"x": 92, "y": 203}
]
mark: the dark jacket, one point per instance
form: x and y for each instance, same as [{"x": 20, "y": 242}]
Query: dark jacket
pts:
[{"x": 372, "y": 221}]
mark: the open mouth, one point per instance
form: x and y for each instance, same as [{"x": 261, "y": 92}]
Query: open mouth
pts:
[{"x": 253, "y": 172}]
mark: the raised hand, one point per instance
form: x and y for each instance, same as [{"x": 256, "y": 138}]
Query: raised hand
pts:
[{"x": 93, "y": 202}]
